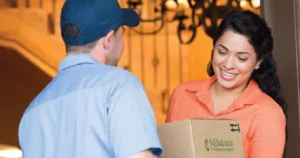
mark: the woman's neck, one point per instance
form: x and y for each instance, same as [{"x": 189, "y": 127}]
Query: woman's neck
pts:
[{"x": 219, "y": 90}]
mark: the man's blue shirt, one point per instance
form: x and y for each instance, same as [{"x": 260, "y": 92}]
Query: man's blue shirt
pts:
[{"x": 89, "y": 110}]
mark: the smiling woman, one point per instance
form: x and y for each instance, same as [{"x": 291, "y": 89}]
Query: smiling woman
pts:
[
  {"x": 243, "y": 86},
  {"x": 234, "y": 60}
]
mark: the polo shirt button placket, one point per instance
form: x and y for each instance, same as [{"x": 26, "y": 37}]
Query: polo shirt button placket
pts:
[{"x": 241, "y": 105}]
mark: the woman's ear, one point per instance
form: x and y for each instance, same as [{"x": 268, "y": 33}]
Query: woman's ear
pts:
[
  {"x": 258, "y": 64},
  {"x": 209, "y": 68}
]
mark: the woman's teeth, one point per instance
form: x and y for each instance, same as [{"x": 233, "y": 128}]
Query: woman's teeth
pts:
[{"x": 228, "y": 74}]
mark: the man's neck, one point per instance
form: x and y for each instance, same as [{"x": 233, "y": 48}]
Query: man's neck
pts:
[{"x": 99, "y": 58}]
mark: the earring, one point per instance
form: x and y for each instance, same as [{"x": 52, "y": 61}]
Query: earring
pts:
[{"x": 257, "y": 67}]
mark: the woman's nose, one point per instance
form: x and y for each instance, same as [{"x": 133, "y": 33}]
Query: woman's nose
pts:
[{"x": 229, "y": 63}]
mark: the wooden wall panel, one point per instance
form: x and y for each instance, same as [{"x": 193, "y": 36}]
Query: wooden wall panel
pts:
[
  {"x": 35, "y": 3},
  {"x": 176, "y": 63},
  {"x": 22, "y": 4},
  {"x": 158, "y": 85},
  {"x": 5, "y": 4}
]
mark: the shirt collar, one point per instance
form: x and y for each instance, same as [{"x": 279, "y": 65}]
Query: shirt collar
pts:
[
  {"x": 248, "y": 97},
  {"x": 76, "y": 59}
]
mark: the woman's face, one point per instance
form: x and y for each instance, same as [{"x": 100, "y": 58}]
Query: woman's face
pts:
[{"x": 234, "y": 60}]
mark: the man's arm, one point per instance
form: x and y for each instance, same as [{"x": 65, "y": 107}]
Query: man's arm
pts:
[{"x": 132, "y": 124}]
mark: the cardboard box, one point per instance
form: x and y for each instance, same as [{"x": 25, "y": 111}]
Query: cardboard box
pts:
[{"x": 201, "y": 138}]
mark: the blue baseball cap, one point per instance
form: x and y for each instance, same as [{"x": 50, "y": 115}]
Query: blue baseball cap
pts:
[{"x": 94, "y": 19}]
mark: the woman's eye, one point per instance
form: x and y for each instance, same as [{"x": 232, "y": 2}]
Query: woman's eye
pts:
[
  {"x": 222, "y": 53},
  {"x": 242, "y": 59}
]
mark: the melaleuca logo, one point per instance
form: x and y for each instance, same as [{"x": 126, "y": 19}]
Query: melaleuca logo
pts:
[
  {"x": 218, "y": 144},
  {"x": 206, "y": 144}
]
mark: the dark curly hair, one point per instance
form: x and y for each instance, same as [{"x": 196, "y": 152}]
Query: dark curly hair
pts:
[{"x": 260, "y": 37}]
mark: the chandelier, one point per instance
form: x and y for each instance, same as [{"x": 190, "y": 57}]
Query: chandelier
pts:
[{"x": 189, "y": 14}]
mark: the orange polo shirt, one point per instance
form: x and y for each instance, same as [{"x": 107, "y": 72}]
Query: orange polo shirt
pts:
[{"x": 261, "y": 119}]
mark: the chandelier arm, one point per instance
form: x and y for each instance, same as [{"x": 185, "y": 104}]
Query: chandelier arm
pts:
[
  {"x": 230, "y": 5},
  {"x": 199, "y": 17},
  {"x": 151, "y": 20},
  {"x": 252, "y": 5},
  {"x": 150, "y": 32},
  {"x": 210, "y": 11},
  {"x": 191, "y": 5},
  {"x": 192, "y": 29}
]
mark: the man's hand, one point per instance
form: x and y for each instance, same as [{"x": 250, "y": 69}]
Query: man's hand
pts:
[{"x": 144, "y": 154}]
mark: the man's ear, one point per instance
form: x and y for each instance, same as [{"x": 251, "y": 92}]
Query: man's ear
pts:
[{"x": 107, "y": 39}]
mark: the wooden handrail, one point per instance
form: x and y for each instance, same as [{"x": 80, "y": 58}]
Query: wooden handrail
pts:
[
  {"x": 29, "y": 55},
  {"x": 27, "y": 3},
  {"x": 25, "y": 48},
  {"x": 49, "y": 6},
  {"x": 39, "y": 45}
]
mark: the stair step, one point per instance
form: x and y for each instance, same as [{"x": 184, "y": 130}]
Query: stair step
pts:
[{"x": 36, "y": 18}]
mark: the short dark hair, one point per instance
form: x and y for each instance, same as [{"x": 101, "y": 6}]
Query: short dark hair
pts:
[{"x": 73, "y": 31}]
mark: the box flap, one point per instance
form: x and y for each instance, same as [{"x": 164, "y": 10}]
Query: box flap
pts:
[{"x": 176, "y": 137}]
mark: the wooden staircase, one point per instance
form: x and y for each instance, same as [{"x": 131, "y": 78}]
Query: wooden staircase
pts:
[
  {"x": 33, "y": 31},
  {"x": 22, "y": 32}
]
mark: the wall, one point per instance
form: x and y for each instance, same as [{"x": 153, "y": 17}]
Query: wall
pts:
[
  {"x": 283, "y": 18},
  {"x": 20, "y": 82},
  {"x": 6, "y": 3},
  {"x": 159, "y": 61},
  {"x": 199, "y": 55}
]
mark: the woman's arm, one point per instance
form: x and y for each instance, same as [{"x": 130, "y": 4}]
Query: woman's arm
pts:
[
  {"x": 170, "y": 114},
  {"x": 268, "y": 139}
]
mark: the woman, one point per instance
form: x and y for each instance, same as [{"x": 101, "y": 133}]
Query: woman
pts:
[{"x": 243, "y": 86}]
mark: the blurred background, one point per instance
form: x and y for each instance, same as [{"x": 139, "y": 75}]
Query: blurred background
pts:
[{"x": 172, "y": 44}]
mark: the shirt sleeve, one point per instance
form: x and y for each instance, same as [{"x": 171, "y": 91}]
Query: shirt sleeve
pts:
[
  {"x": 171, "y": 116},
  {"x": 131, "y": 120},
  {"x": 269, "y": 135}
]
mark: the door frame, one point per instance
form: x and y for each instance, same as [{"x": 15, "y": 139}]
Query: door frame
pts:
[{"x": 283, "y": 16}]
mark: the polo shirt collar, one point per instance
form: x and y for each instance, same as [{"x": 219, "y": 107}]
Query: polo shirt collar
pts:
[
  {"x": 250, "y": 96},
  {"x": 76, "y": 59}
]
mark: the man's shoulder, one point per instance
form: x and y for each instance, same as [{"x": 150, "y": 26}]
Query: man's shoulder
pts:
[
  {"x": 95, "y": 75},
  {"x": 123, "y": 74},
  {"x": 104, "y": 80},
  {"x": 112, "y": 80},
  {"x": 116, "y": 75}
]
